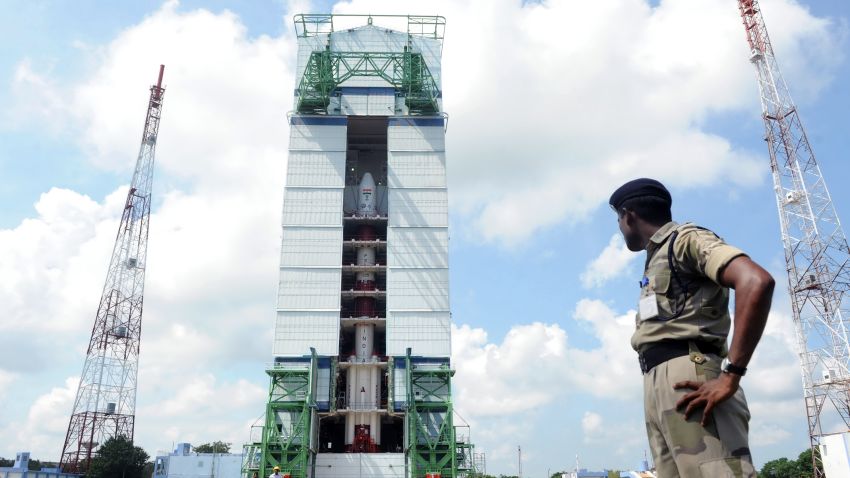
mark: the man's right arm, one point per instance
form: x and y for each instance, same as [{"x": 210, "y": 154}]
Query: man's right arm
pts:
[{"x": 753, "y": 294}]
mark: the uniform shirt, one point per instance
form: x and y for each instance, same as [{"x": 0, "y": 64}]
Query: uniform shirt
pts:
[{"x": 696, "y": 307}]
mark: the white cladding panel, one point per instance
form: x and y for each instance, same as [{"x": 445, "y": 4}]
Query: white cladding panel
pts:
[
  {"x": 405, "y": 137},
  {"x": 381, "y": 104},
  {"x": 428, "y": 334},
  {"x": 296, "y": 331},
  {"x": 309, "y": 289},
  {"x": 367, "y": 101},
  {"x": 316, "y": 169},
  {"x": 354, "y": 104},
  {"x": 416, "y": 169},
  {"x": 418, "y": 289},
  {"x": 418, "y": 247},
  {"x": 312, "y": 207},
  {"x": 419, "y": 207},
  {"x": 311, "y": 247},
  {"x": 360, "y": 465},
  {"x": 317, "y": 137}
]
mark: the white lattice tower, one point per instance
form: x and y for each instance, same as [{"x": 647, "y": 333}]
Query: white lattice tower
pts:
[
  {"x": 816, "y": 252},
  {"x": 105, "y": 405}
]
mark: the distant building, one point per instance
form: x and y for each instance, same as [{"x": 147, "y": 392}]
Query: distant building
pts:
[
  {"x": 637, "y": 474},
  {"x": 21, "y": 469},
  {"x": 182, "y": 463},
  {"x": 584, "y": 473}
]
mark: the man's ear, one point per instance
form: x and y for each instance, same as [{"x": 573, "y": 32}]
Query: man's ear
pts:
[{"x": 630, "y": 218}]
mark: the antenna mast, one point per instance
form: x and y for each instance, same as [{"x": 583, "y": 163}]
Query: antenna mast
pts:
[
  {"x": 105, "y": 406},
  {"x": 817, "y": 256}
]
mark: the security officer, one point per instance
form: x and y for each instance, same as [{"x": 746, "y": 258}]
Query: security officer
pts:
[{"x": 696, "y": 414}]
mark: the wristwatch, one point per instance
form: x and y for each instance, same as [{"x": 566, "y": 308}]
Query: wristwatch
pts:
[{"x": 729, "y": 367}]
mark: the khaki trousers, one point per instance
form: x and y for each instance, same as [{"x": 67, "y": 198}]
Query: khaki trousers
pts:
[{"x": 684, "y": 448}]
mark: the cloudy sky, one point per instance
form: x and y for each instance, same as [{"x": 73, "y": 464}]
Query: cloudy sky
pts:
[{"x": 552, "y": 105}]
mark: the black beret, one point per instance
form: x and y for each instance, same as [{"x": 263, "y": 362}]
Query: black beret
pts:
[{"x": 639, "y": 188}]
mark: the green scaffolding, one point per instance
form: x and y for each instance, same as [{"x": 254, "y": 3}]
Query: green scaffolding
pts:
[
  {"x": 287, "y": 430},
  {"x": 432, "y": 447},
  {"x": 405, "y": 71}
]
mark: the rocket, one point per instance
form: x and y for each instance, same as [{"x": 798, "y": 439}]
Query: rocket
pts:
[{"x": 363, "y": 424}]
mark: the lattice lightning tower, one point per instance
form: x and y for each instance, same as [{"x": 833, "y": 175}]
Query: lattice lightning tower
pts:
[
  {"x": 816, "y": 252},
  {"x": 105, "y": 405}
]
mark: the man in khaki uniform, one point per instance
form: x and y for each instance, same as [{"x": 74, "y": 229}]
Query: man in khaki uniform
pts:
[{"x": 696, "y": 414}]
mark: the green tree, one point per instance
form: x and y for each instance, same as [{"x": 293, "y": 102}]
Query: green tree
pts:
[
  {"x": 804, "y": 463},
  {"x": 780, "y": 468},
  {"x": 118, "y": 458},
  {"x": 214, "y": 447}
]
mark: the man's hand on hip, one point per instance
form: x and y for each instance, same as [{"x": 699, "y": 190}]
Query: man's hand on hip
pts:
[{"x": 707, "y": 394}]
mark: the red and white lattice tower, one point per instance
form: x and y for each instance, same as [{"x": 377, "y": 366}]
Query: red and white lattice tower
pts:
[
  {"x": 816, "y": 252},
  {"x": 105, "y": 405}
]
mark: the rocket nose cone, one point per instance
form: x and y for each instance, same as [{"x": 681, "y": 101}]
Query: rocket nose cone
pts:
[{"x": 368, "y": 181}]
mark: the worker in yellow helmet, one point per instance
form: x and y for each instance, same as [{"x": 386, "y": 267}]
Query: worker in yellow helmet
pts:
[{"x": 276, "y": 473}]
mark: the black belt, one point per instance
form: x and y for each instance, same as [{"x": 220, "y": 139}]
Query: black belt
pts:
[{"x": 665, "y": 350}]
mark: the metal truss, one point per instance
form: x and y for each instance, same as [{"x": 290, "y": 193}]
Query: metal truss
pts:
[
  {"x": 312, "y": 24},
  {"x": 291, "y": 415},
  {"x": 105, "y": 405},
  {"x": 432, "y": 447},
  {"x": 816, "y": 250},
  {"x": 405, "y": 71}
]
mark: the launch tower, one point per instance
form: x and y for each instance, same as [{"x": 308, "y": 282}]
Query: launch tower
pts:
[{"x": 361, "y": 379}]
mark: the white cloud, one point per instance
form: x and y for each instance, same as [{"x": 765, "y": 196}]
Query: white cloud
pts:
[
  {"x": 204, "y": 409},
  {"x": 36, "y": 99},
  {"x": 46, "y": 419},
  {"x": 493, "y": 379},
  {"x": 591, "y": 423},
  {"x": 554, "y": 104},
  {"x": 6, "y": 379},
  {"x": 611, "y": 263},
  {"x": 611, "y": 369},
  {"x": 620, "y": 437}
]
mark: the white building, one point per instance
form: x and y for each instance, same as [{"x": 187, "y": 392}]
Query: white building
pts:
[
  {"x": 835, "y": 455},
  {"x": 182, "y": 463}
]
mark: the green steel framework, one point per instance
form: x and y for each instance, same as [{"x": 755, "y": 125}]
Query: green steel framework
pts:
[
  {"x": 289, "y": 421},
  {"x": 432, "y": 447},
  {"x": 405, "y": 71}
]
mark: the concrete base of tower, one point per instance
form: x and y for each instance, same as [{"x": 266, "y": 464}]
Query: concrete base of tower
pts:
[{"x": 360, "y": 465}]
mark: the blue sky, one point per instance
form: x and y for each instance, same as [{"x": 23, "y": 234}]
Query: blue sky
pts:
[{"x": 551, "y": 106}]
